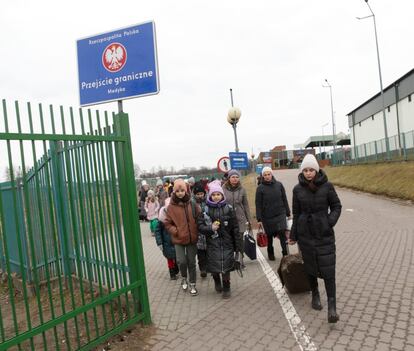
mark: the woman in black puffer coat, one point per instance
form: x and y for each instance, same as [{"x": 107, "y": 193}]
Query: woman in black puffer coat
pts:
[
  {"x": 272, "y": 208},
  {"x": 316, "y": 209},
  {"x": 219, "y": 224}
]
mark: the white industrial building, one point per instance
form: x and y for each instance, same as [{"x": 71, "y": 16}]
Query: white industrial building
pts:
[{"x": 366, "y": 122}]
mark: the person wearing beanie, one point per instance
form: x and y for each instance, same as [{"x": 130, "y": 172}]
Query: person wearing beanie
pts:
[
  {"x": 199, "y": 196},
  {"x": 181, "y": 222},
  {"x": 272, "y": 208},
  {"x": 233, "y": 172},
  {"x": 191, "y": 182},
  {"x": 142, "y": 194},
  {"x": 316, "y": 209},
  {"x": 309, "y": 161},
  {"x": 236, "y": 196},
  {"x": 151, "y": 208},
  {"x": 219, "y": 224},
  {"x": 160, "y": 192},
  {"x": 163, "y": 240},
  {"x": 266, "y": 169}
]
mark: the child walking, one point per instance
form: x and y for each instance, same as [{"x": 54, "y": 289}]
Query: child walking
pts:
[
  {"x": 199, "y": 194},
  {"x": 151, "y": 208},
  {"x": 219, "y": 224},
  {"x": 180, "y": 222},
  {"x": 163, "y": 239}
]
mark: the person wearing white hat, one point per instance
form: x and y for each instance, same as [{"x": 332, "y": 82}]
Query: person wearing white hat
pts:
[
  {"x": 161, "y": 193},
  {"x": 272, "y": 208},
  {"x": 143, "y": 192},
  {"x": 309, "y": 161},
  {"x": 316, "y": 209}
]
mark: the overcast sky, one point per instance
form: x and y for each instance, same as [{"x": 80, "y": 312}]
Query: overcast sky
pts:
[{"x": 275, "y": 56}]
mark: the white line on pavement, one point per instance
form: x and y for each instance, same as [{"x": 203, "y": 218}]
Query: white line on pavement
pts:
[{"x": 295, "y": 323}]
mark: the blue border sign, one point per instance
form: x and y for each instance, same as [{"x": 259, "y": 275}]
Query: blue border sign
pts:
[
  {"x": 239, "y": 160},
  {"x": 259, "y": 168},
  {"x": 118, "y": 65}
]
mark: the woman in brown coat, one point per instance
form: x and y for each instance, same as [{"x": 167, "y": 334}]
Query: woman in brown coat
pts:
[{"x": 181, "y": 223}]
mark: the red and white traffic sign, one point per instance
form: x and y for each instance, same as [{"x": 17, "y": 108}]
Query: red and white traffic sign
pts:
[{"x": 223, "y": 164}]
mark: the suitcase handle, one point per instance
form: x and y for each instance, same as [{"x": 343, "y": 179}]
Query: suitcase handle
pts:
[{"x": 288, "y": 250}]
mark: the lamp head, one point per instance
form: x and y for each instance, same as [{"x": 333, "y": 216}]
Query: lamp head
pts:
[{"x": 233, "y": 115}]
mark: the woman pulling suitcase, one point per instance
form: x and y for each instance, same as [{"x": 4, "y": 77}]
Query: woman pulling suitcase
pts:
[{"x": 316, "y": 209}]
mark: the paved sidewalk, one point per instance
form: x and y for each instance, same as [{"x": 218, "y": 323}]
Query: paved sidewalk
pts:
[{"x": 375, "y": 291}]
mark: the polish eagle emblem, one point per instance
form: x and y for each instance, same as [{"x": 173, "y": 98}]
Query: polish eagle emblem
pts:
[{"x": 114, "y": 57}]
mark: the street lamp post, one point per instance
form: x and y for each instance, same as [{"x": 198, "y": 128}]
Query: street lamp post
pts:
[
  {"x": 333, "y": 121},
  {"x": 387, "y": 144},
  {"x": 323, "y": 136},
  {"x": 233, "y": 117}
]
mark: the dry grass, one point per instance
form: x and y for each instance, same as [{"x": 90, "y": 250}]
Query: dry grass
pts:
[
  {"x": 389, "y": 179},
  {"x": 394, "y": 179}
]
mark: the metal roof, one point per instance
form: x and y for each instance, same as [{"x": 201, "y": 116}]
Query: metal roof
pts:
[
  {"x": 400, "y": 89},
  {"x": 327, "y": 140}
]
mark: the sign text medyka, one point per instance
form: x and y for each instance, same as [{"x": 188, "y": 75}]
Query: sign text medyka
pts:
[{"x": 118, "y": 65}]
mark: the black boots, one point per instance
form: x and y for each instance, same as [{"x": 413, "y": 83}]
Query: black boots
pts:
[
  {"x": 217, "y": 283},
  {"x": 333, "y": 317},
  {"x": 316, "y": 300},
  {"x": 271, "y": 254},
  {"x": 226, "y": 289},
  {"x": 173, "y": 274}
]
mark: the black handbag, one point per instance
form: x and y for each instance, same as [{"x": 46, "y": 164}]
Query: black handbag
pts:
[{"x": 249, "y": 245}]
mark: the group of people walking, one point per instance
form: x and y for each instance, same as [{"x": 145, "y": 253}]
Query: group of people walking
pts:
[
  {"x": 208, "y": 222},
  {"x": 203, "y": 220}
]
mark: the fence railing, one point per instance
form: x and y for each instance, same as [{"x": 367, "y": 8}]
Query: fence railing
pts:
[
  {"x": 400, "y": 148},
  {"x": 71, "y": 260}
]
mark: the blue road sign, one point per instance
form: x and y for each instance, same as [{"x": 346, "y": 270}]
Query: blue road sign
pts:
[
  {"x": 239, "y": 160},
  {"x": 259, "y": 168},
  {"x": 118, "y": 65}
]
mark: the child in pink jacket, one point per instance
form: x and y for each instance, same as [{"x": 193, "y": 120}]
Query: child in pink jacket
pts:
[{"x": 151, "y": 207}]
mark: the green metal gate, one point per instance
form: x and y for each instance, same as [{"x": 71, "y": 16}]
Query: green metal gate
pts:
[{"x": 71, "y": 259}]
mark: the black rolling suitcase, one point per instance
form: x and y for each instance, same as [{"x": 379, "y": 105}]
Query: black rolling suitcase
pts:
[{"x": 292, "y": 273}]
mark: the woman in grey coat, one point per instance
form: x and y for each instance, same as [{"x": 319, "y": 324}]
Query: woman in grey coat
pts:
[{"x": 236, "y": 196}]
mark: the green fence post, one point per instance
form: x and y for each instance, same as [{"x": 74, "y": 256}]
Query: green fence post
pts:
[
  {"x": 365, "y": 152},
  {"x": 404, "y": 146},
  {"x": 61, "y": 216},
  {"x": 132, "y": 232}
]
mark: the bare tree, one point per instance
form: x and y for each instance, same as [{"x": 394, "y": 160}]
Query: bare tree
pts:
[
  {"x": 17, "y": 173},
  {"x": 137, "y": 170}
]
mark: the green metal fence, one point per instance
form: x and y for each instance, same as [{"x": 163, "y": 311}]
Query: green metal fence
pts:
[
  {"x": 71, "y": 259},
  {"x": 400, "y": 148}
]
